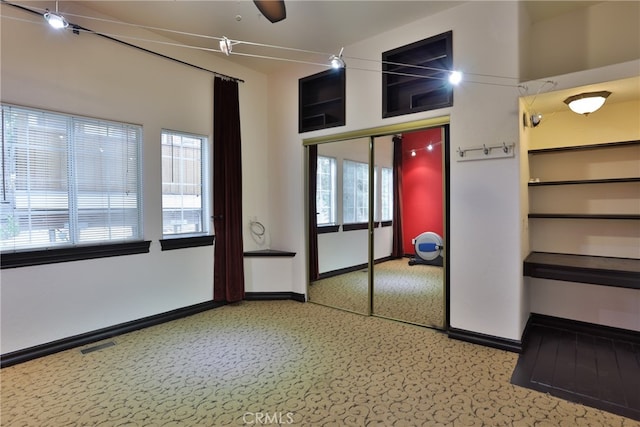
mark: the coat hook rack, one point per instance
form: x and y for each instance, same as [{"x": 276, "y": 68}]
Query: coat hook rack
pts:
[{"x": 484, "y": 152}]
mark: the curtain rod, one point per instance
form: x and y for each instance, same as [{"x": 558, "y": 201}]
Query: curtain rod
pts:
[{"x": 76, "y": 28}]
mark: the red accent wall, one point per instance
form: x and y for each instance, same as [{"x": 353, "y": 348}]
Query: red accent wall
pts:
[{"x": 421, "y": 185}]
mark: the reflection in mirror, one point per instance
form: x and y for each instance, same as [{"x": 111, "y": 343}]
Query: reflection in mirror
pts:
[
  {"x": 338, "y": 224},
  {"x": 408, "y": 273}
]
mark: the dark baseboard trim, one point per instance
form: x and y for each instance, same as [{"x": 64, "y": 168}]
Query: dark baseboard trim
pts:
[
  {"x": 270, "y": 296},
  {"x": 486, "y": 340},
  {"x": 35, "y": 352},
  {"x": 578, "y": 326}
]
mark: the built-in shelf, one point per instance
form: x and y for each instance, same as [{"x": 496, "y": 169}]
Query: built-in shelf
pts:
[
  {"x": 585, "y": 181},
  {"x": 269, "y": 253},
  {"x": 415, "y": 76},
  {"x": 321, "y": 100},
  {"x": 584, "y": 216},
  {"x": 606, "y": 145},
  {"x": 598, "y": 270},
  {"x": 609, "y": 167}
]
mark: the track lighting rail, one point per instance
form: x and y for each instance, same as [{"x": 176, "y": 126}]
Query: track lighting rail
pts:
[{"x": 77, "y": 28}]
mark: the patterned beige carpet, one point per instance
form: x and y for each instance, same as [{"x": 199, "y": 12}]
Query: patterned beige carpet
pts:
[
  {"x": 270, "y": 362},
  {"x": 413, "y": 294}
]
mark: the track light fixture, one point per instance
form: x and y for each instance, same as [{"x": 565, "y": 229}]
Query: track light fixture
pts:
[
  {"x": 337, "y": 61},
  {"x": 588, "y": 102},
  {"x": 535, "y": 118},
  {"x": 225, "y": 46},
  {"x": 56, "y": 20}
]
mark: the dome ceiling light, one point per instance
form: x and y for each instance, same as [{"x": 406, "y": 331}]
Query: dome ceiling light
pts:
[{"x": 588, "y": 102}]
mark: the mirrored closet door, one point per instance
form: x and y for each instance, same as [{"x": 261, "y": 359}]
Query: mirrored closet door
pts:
[
  {"x": 339, "y": 236},
  {"x": 376, "y": 224},
  {"x": 408, "y": 275}
]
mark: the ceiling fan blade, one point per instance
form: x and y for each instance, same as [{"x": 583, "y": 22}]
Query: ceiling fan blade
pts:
[{"x": 273, "y": 10}]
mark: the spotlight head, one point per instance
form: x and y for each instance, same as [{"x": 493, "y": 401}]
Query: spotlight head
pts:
[
  {"x": 536, "y": 118},
  {"x": 225, "y": 46},
  {"x": 337, "y": 61},
  {"x": 56, "y": 20},
  {"x": 455, "y": 77}
]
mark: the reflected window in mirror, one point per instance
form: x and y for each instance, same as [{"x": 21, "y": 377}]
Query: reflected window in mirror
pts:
[
  {"x": 355, "y": 192},
  {"x": 326, "y": 191},
  {"x": 386, "y": 195}
]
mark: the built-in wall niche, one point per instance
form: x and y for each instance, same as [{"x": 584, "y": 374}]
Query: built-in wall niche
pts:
[
  {"x": 415, "y": 77},
  {"x": 321, "y": 100}
]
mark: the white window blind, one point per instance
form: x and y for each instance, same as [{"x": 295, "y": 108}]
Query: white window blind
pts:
[
  {"x": 355, "y": 192},
  {"x": 326, "y": 191},
  {"x": 68, "y": 180},
  {"x": 184, "y": 191}
]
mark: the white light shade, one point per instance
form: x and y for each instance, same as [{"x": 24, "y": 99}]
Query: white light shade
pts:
[
  {"x": 57, "y": 21},
  {"x": 587, "y": 103}
]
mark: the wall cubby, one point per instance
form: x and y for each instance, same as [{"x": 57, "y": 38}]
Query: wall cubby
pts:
[
  {"x": 415, "y": 76},
  {"x": 593, "y": 190},
  {"x": 321, "y": 100}
]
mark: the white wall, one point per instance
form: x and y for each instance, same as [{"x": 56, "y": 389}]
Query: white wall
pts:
[
  {"x": 603, "y": 34},
  {"x": 486, "y": 277},
  {"x": 87, "y": 75}
]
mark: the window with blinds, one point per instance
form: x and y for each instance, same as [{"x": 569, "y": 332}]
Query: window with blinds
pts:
[
  {"x": 68, "y": 180},
  {"x": 184, "y": 191}
]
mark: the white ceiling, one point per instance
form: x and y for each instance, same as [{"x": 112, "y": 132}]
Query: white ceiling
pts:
[{"x": 313, "y": 25}]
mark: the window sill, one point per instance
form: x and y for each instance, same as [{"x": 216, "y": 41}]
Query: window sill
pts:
[
  {"x": 186, "y": 242},
  {"x": 358, "y": 226},
  {"x": 75, "y": 253},
  {"x": 323, "y": 229}
]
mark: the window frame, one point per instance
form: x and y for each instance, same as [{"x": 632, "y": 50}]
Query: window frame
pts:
[{"x": 198, "y": 238}]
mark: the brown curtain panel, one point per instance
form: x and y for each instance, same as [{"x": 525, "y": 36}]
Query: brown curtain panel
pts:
[
  {"x": 397, "y": 250},
  {"x": 228, "y": 276},
  {"x": 313, "y": 214}
]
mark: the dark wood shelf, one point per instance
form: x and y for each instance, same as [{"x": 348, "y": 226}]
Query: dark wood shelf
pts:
[
  {"x": 584, "y": 216},
  {"x": 269, "y": 253},
  {"x": 323, "y": 102},
  {"x": 415, "y": 67},
  {"x": 605, "y": 145},
  {"x": 597, "y": 270},
  {"x": 584, "y": 181}
]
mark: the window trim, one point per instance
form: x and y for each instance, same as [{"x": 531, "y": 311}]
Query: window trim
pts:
[
  {"x": 183, "y": 242},
  {"x": 30, "y": 258}
]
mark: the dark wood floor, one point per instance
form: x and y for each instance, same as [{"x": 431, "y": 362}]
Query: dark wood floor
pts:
[{"x": 594, "y": 366}]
